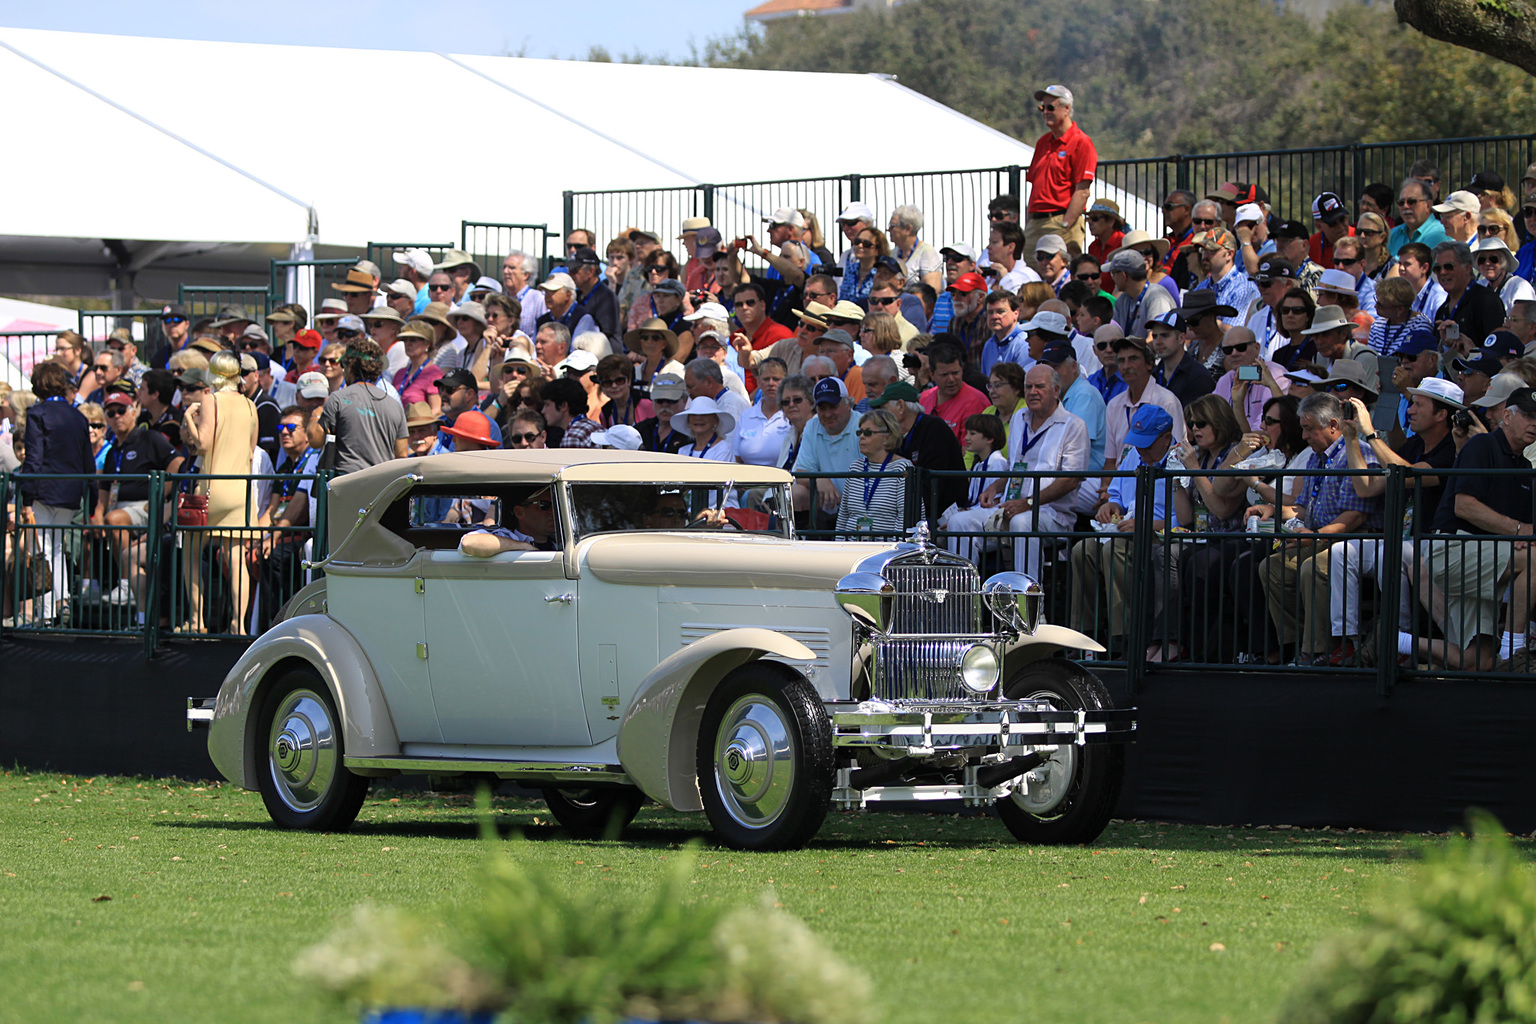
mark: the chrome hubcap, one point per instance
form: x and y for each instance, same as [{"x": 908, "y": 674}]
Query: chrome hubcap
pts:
[
  {"x": 304, "y": 750},
  {"x": 754, "y": 762},
  {"x": 1047, "y": 783}
]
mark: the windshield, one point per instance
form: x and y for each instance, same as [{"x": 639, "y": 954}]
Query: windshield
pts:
[{"x": 626, "y": 508}]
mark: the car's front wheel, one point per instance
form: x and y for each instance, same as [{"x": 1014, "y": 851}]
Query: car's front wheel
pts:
[
  {"x": 1071, "y": 796},
  {"x": 301, "y": 776},
  {"x": 765, "y": 760},
  {"x": 594, "y": 813}
]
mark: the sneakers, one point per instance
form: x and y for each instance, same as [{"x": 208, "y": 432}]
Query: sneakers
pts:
[
  {"x": 120, "y": 594},
  {"x": 1343, "y": 656},
  {"x": 1306, "y": 659}
]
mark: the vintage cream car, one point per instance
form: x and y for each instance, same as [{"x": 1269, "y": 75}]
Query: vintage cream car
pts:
[{"x": 657, "y": 651}]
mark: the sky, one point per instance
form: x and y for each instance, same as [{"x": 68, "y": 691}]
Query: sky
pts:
[{"x": 533, "y": 28}]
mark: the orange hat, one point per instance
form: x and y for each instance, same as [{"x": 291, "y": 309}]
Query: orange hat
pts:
[{"x": 473, "y": 425}]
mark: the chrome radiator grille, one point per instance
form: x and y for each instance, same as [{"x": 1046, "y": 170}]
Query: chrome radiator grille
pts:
[
  {"x": 920, "y": 670},
  {"x": 935, "y": 598}
]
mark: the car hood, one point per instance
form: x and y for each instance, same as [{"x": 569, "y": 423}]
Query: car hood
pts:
[{"x": 701, "y": 560}]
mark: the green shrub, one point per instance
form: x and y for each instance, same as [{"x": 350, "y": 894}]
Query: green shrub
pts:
[{"x": 1459, "y": 949}]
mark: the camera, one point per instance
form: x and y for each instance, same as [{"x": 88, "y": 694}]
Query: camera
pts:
[
  {"x": 739, "y": 244},
  {"x": 1349, "y": 410},
  {"x": 1249, "y": 373},
  {"x": 912, "y": 362},
  {"x": 1462, "y": 419}
]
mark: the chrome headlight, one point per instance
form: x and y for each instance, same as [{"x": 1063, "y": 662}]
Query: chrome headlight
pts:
[
  {"x": 978, "y": 668},
  {"x": 867, "y": 597},
  {"x": 1016, "y": 600}
]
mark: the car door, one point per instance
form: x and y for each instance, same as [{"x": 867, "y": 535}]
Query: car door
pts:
[
  {"x": 502, "y": 651},
  {"x": 383, "y": 611}
]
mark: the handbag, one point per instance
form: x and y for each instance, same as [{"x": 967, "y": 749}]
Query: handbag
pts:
[
  {"x": 35, "y": 570},
  {"x": 191, "y": 509}
]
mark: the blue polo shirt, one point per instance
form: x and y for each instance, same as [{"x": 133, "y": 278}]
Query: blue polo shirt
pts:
[
  {"x": 1122, "y": 491},
  {"x": 1084, "y": 401},
  {"x": 1431, "y": 233},
  {"x": 821, "y": 452}
]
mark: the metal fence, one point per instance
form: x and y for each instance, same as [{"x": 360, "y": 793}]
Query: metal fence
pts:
[
  {"x": 489, "y": 244},
  {"x": 306, "y": 282},
  {"x": 382, "y": 255},
  {"x": 1189, "y": 599},
  {"x": 155, "y": 580},
  {"x": 23, "y": 350},
  {"x": 142, "y": 324},
  {"x": 955, "y": 202},
  {"x": 206, "y": 300}
]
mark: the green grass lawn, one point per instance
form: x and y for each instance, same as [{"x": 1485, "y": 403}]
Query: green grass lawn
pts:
[{"x": 141, "y": 900}]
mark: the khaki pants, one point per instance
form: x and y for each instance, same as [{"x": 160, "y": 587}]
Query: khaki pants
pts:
[
  {"x": 1100, "y": 573},
  {"x": 1036, "y": 226},
  {"x": 1291, "y": 572}
]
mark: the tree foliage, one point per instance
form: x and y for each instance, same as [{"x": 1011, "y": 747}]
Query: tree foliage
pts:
[{"x": 1160, "y": 76}]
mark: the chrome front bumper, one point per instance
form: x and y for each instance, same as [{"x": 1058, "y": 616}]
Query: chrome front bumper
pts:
[
  {"x": 200, "y": 712},
  {"x": 920, "y": 728}
]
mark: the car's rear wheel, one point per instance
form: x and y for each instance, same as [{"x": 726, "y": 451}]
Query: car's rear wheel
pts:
[
  {"x": 1071, "y": 796},
  {"x": 594, "y": 813},
  {"x": 301, "y": 776},
  {"x": 765, "y": 760}
]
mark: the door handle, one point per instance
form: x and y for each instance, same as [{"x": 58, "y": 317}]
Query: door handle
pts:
[{"x": 559, "y": 598}]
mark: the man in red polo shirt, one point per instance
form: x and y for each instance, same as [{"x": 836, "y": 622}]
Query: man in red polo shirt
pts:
[
  {"x": 951, "y": 399},
  {"x": 1060, "y": 174},
  {"x": 750, "y": 308}
]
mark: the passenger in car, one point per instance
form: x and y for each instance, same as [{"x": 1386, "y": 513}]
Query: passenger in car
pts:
[{"x": 534, "y": 531}]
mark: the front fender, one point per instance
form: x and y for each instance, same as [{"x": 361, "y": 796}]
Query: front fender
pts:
[
  {"x": 1045, "y": 642},
  {"x": 658, "y": 738},
  {"x": 322, "y": 644}
]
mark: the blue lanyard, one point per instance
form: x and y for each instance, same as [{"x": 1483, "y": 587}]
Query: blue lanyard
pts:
[
  {"x": 794, "y": 452},
  {"x": 412, "y": 378},
  {"x": 665, "y": 442},
  {"x": 1030, "y": 442},
  {"x": 1131, "y": 319},
  {"x": 872, "y": 486},
  {"x": 699, "y": 453},
  {"x": 906, "y": 443}
]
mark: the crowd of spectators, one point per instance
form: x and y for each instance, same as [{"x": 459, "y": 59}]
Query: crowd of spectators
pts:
[{"x": 1051, "y": 359}]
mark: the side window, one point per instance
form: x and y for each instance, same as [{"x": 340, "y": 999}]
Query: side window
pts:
[{"x": 437, "y": 517}]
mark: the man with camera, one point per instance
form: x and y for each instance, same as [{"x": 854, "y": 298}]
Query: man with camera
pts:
[{"x": 1431, "y": 409}]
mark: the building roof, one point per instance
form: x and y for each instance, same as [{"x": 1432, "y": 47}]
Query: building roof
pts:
[{"x": 783, "y": 8}]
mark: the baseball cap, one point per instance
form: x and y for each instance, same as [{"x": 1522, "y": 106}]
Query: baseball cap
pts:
[
  {"x": 173, "y": 309},
  {"x": 856, "y": 211},
  {"x": 399, "y": 286},
  {"x": 417, "y": 259},
  {"x": 1485, "y": 364},
  {"x": 705, "y": 241},
  {"x": 584, "y": 255},
  {"x": 254, "y": 333},
  {"x": 1460, "y": 201},
  {"x": 889, "y": 263},
  {"x": 1059, "y": 92},
  {"x": 900, "y": 391},
  {"x": 1170, "y": 320},
  {"x": 1329, "y": 208},
  {"x": 1273, "y": 268},
  {"x": 1126, "y": 261},
  {"x": 1419, "y": 340},
  {"x": 1139, "y": 344},
  {"x": 830, "y": 391},
  {"x": 1248, "y": 212},
  {"x": 557, "y": 281},
  {"x": 971, "y": 282},
  {"x": 1499, "y": 389},
  {"x": 313, "y": 385},
  {"x": 1057, "y": 352},
  {"x": 308, "y": 338},
  {"x": 708, "y": 311},
  {"x": 962, "y": 249},
  {"x": 1216, "y": 238},
  {"x": 1148, "y": 424},
  {"x": 457, "y": 378},
  {"x": 1052, "y": 244},
  {"x": 349, "y": 322},
  {"x": 487, "y": 284},
  {"x": 671, "y": 286},
  {"x": 195, "y": 377},
  {"x": 1289, "y": 229},
  {"x": 668, "y": 387},
  {"x": 1047, "y": 322},
  {"x": 1503, "y": 345},
  {"x": 786, "y": 215},
  {"x": 836, "y": 336},
  {"x": 579, "y": 361},
  {"x": 1486, "y": 181},
  {"x": 620, "y": 435},
  {"x": 1227, "y": 192},
  {"x": 117, "y": 396},
  {"x": 639, "y": 233}
]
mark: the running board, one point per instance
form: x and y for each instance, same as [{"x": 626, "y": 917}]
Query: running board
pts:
[{"x": 537, "y": 771}]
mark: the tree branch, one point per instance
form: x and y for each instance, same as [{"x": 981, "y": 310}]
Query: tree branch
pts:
[{"x": 1505, "y": 29}]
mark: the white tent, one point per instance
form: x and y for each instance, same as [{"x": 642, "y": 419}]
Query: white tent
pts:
[{"x": 149, "y": 161}]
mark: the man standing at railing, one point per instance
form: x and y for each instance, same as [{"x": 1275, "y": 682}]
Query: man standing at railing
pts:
[{"x": 1060, "y": 173}]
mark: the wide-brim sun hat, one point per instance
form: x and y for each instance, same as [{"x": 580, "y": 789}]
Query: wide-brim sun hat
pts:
[{"x": 703, "y": 407}]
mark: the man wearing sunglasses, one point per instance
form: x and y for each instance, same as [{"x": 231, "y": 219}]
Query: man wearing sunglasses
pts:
[
  {"x": 134, "y": 451},
  {"x": 534, "y": 530},
  {"x": 1178, "y": 209},
  {"x": 1413, "y": 207},
  {"x": 177, "y": 329},
  {"x": 1060, "y": 174},
  {"x": 1469, "y": 313},
  {"x": 1240, "y": 348},
  {"x": 292, "y": 504}
]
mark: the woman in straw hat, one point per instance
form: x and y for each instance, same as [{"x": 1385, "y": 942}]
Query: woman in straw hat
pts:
[
  {"x": 656, "y": 344},
  {"x": 417, "y": 380}
]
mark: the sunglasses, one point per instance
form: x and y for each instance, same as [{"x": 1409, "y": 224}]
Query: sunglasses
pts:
[
  {"x": 667, "y": 401},
  {"x": 171, "y": 321},
  {"x": 1270, "y": 421},
  {"x": 96, "y": 426},
  {"x": 967, "y": 259},
  {"x": 1293, "y": 310},
  {"x": 657, "y": 270},
  {"x": 542, "y": 506},
  {"x": 614, "y": 382},
  {"x": 1490, "y": 261},
  {"x": 1204, "y": 221},
  {"x": 439, "y": 287},
  {"x": 1368, "y": 232},
  {"x": 116, "y": 410},
  {"x": 102, "y": 367},
  {"x": 1085, "y": 276},
  {"x": 1411, "y": 202},
  {"x": 1444, "y": 268},
  {"x": 797, "y": 400},
  {"x": 1347, "y": 262},
  {"x": 347, "y": 334},
  {"x": 1241, "y": 347},
  {"x": 1198, "y": 424},
  {"x": 1103, "y": 346},
  {"x": 997, "y": 215},
  {"x": 524, "y": 438},
  {"x": 287, "y": 428},
  {"x": 864, "y": 243},
  {"x": 1049, "y": 108},
  {"x": 746, "y": 303},
  {"x": 1489, "y": 230},
  {"x": 866, "y": 432},
  {"x": 328, "y": 361},
  {"x": 886, "y": 301}
]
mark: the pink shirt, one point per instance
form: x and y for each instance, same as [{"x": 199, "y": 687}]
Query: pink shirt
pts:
[
  {"x": 1258, "y": 393},
  {"x": 957, "y": 410},
  {"x": 416, "y": 385}
]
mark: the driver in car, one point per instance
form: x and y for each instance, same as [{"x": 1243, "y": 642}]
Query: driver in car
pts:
[{"x": 535, "y": 530}]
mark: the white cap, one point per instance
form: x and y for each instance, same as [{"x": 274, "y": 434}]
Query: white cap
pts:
[
  {"x": 1247, "y": 212},
  {"x": 313, "y": 385},
  {"x": 417, "y": 260},
  {"x": 1459, "y": 202},
  {"x": 620, "y": 435},
  {"x": 786, "y": 215},
  {"x": 857, "y": 211},
  {"x": 1048, "y": 321},
  {"x": 557, "y": 281},
  {"x": 487, "y": 284},
  {"x": 1340, "y": 281},
  {"x": 965, "y": 249},
  {"x": 580, "y": 360},
  {"x": 403, "y": 288},
  {"x": 709, "y": 311}
]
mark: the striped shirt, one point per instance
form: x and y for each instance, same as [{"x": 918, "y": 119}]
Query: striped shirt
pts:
[{"x": 881, "y": 500}]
